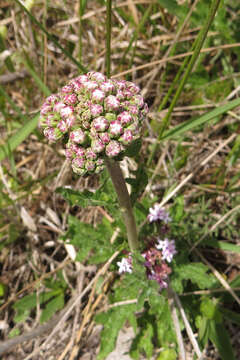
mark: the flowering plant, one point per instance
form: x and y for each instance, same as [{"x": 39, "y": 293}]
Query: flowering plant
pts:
[{"x": 97, "y": 117}]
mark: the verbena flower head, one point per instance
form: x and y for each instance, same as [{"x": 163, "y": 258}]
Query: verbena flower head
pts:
[
  {"x": 157, "y": 213},
  {"x": 155, "y": 256},
  {"x": 168, "y": 249},
  {"x": 96, "y": 116}
]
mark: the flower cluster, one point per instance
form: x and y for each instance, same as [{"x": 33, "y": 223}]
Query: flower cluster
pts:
[
  {"x": 156, "y": 254},
  {"x": 96, "y": 116},
  {"x": 157, "y": 213}
]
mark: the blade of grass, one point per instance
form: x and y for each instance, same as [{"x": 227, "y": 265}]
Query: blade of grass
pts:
[
  {"x": 30, "y": 68},
  {"x": 18, "y": 138},
  {"x": 193, "y": 123},
  {"x": 51, "y": 37},
  {"x": 10, "y": 101},
  {"x": 199, "y": 43}
]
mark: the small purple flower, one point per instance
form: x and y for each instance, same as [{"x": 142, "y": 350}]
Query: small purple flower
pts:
[
  {"x": 125, "y": 265},
  {"x": 113, "y": 149},
  {"x": 168, "y": 249},
  {"x": 121, "y": 84},
  {"x": 158, "y": 213},
  {"x": 82, "y": 79}
]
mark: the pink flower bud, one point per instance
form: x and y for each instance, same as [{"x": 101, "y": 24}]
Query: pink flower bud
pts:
[
  {"x": 66, "y": 111},
  {"x": 91, "y": 85},
  {"x": 96, "y": 109},
  {"x": 78, "y": 162},
  {"x": 125, "y": 118},
  {"x": 133, "y": 109},
  {"x": 68, "y": 154},
  {"x": 113, "y": 149},
  {"x": 67, "y": 89},
  {"x": 90, "y": 165},
  {"x": 138, "y": 101},
  {"x": 46, "y": 109},
  {"x": 115, "y": 129},
  {"x": 127, "y": 137},
  {"x": 104, "y": 137},
  {"x": 97, "y": 76},
  {"x": 62, "y": 126},
  {"x": 70, "y": 121},
  {"x": 79, "y": 151},
  {"x": 82, "y": 79},
  {"x": 98, "y": 95},
  {"x": 97, "y": 146},
  {"x": 121, "y": 84},
  {"x": 52, "y": 99},
  {"x": 70, "y": 99},
  {"x": 100, "y": 124},
  {"x": 78, "y": 136},
  {"x": 58, "y": 106},
  {"x": 86, "y": 116},
  {"x": 90, "y": 154},
  {"x": 107, "y": 87},
  {"x": 112, "y": 103},
  {"x": 133, "y": 88},
  {"x": 52, "y": 134}
]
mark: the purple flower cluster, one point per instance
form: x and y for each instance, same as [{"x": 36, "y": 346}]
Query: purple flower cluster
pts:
[
  {"x": 155, "y": 257},
  {"x": 157, "y": 253},
  {"x": 157, "y": 213},
  {"x": 98, "y": 116}
]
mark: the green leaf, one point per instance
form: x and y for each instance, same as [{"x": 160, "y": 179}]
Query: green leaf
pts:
[
  {"x": 231, "y": 315},
  {"x": 57, "y": 303},
  {"x": 209, "y": 309},
  {"x": 196, "y": 273},
  {"x": 224, "y": 245},
  {"x": 168, "y": 354},
  {"x": 220, "y": 338},
  {"x": 112, "y": 321},
  {"x": 88, "y": 238}
]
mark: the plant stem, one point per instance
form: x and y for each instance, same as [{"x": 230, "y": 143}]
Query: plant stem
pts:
[
  {"x": 108, "y": 37},
  {"x": 80, "y": 31},
  {"x": 124, "y": 202}
]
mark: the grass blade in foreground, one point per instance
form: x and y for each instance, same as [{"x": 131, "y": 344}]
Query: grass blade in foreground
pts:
[
  {"x": 19, "y": 137},
  {"x": 193, "y": 123}
]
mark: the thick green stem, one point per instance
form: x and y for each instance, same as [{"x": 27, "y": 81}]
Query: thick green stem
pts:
[{"x": 124, "y": 202}]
